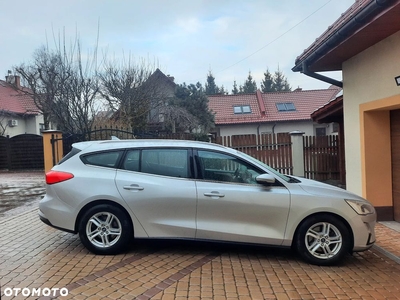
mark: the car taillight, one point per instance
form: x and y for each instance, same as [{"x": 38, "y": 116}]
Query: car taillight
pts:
[{"x": 53, "y": 177}]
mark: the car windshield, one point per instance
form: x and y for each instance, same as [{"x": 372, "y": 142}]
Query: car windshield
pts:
[{"x": 275, "y": 172}]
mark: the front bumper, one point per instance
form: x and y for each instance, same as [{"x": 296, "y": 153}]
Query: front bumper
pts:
[{"x": 364, "y": 232}]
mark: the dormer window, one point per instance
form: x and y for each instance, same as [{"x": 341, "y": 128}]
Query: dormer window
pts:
[
  {"x": 242, "y": 109},
  {"x": 288, "y": 106}
]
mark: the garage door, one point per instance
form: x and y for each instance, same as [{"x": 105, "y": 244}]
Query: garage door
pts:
[{"x": 395, "y": 138}]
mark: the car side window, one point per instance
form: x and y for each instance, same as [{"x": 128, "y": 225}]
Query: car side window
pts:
[
  {"x": 216, "y": 166},
  {"x": 131, "y": 160},
  {"x": 167, "y": 162},
  {"x": 102, "y": 159}
]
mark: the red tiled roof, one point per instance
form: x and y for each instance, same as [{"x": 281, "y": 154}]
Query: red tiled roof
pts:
[
  {"x": 343, "y": 19},
  {"x": 305, "y": 102},
  {"x": 15, "y": 101},
  {"x": 364, "y": 24}
]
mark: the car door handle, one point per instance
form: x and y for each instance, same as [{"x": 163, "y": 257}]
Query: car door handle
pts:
[
  {"x": 133, "y": 187},
  {"x": 214, "y": 195}
]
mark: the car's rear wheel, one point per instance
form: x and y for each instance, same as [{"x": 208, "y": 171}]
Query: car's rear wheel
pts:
[
  {"x": 323, "y": 240},
  {"x": 105, "y": 229}
]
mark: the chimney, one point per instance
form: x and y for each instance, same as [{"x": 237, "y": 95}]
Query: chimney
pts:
[
  {"x": 260, "y": 102},
  {"x": 17, "y": 81},
  {"x": 13, "y": 79}
]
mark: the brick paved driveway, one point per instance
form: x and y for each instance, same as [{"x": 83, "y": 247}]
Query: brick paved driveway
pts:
[{"x": 34, "y": 255}]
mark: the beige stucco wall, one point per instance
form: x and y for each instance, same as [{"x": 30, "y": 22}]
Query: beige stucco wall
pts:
[{"x": 368, "y": 77}]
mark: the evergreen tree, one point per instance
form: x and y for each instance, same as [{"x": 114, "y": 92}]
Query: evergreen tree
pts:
[
  {"x": 235, "y": 89},
  {"x": 250, "y": 85},
  {"x": 211, "y": 87},
  {"x": 193, "y": 98},
  {"x": 280, "y": 83},
  {"x": 267, "y": 83}
]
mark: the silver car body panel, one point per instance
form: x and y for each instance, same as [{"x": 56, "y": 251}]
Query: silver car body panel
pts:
[
  {"x": 162, "y": 206},
  {"x": 165, "y": 206},
  {"x": 252, "y": 213}
]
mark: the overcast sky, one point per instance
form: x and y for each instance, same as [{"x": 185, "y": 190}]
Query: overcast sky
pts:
[{"x": 186, "y": 38}]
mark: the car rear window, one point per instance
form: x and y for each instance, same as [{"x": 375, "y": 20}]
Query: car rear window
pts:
[
  {"x": 73, "y": 152},
  {"x": 103, "y": 159}
]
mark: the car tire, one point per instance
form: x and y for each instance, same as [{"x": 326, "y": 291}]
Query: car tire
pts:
[
  {"x": 322, "y": 240},
  {"x": 105, "y": 229}
]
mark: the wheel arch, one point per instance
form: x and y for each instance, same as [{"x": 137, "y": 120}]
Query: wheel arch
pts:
[
  {"x": 91, "y": 204},
  {"x": 351, "y": 235}
]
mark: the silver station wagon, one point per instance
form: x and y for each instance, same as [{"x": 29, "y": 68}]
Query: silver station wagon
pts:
[{"x": 112, "y": 191}]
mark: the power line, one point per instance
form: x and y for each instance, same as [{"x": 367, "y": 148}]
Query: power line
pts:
[{"x": 277, "y": 38}]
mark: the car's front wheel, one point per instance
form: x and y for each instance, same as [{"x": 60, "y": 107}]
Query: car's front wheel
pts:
[
  {"x": 105, "y": 229},
  {"x": 323, "y": 240}
]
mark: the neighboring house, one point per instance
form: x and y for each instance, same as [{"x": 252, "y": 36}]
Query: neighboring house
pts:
[
  {"x": 365, "y": 44},
  {"x": 159, "y": 88},
  {"x": 277, "y": 112},
  {"x": 166, "y": 87},
  {"x": 18, "y": 112}
]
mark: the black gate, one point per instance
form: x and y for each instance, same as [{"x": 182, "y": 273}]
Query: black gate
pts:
[
  {"x": 95, "y": 135},
  {"x": 120, "y": 133},
  {"x": 21, "y": 152}
]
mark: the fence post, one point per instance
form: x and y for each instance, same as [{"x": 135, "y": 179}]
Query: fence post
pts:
[
  {"x": 52, "y": 148},
  {"x": 296, "y": 138}
]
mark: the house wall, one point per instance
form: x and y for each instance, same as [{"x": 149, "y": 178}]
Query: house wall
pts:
[
  {"x": 25, "y": 125},
  {"x": 308, "y": 127},
  {"x": 370, "y": 92}
]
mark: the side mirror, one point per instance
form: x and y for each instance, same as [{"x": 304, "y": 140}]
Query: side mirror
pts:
[{"x": 265, "y": 178}]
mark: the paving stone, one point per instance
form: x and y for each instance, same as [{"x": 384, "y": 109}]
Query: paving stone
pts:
[{"x": 36, "y": 255}]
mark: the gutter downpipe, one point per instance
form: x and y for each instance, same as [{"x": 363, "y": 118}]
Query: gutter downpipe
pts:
[
  {"x": 338, "y": 37},
  {"x": 307, "y": 72}
]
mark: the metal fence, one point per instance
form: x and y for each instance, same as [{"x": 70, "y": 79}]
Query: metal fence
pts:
[{"x": 21, "y": 152}]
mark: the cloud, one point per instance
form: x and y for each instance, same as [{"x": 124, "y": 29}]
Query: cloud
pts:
[{"x": 186, "y": 38}]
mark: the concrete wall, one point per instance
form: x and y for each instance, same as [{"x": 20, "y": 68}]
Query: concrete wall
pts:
[{"x": 370, "y": 92}]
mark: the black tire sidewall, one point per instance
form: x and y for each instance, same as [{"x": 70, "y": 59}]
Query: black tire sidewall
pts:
[
  {"x": 311, "y": 221},
  {"x": 126, "y": 235}
]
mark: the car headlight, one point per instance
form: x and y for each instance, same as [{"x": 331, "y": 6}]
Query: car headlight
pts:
[{"x": 361, "y": 207}]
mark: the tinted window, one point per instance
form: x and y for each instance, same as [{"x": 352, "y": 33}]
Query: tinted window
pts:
[
  {"x": 103, "y": 159},
  {"x": 73, "y": 152},
  {"x": 221, "y": 167},
  {"x": 167, "y": 162},
  {"x": 131, "y": 161}
]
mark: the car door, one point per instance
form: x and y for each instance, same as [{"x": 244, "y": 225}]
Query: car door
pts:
[
  {"x": 232, "y": 206},
  {"x": 158, "y": 187}
]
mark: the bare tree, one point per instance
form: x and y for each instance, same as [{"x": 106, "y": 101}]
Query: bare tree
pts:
[
  {"x": 178, "y": 119},
  {"x": 4, "y": 115},
  {"x": 132, "y": 92},
  {"x": 80, "y": 103},
  {"x": 46, "y": 77},
  {"x": 64, "y": 87}
]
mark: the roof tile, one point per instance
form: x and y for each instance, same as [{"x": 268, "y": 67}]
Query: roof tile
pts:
[
  {"x": 305, "y": 102},
  {"x": 14, "y": 100}
]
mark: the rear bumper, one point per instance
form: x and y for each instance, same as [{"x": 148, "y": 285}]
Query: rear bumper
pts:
[{"x": 47, "y": 222}]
